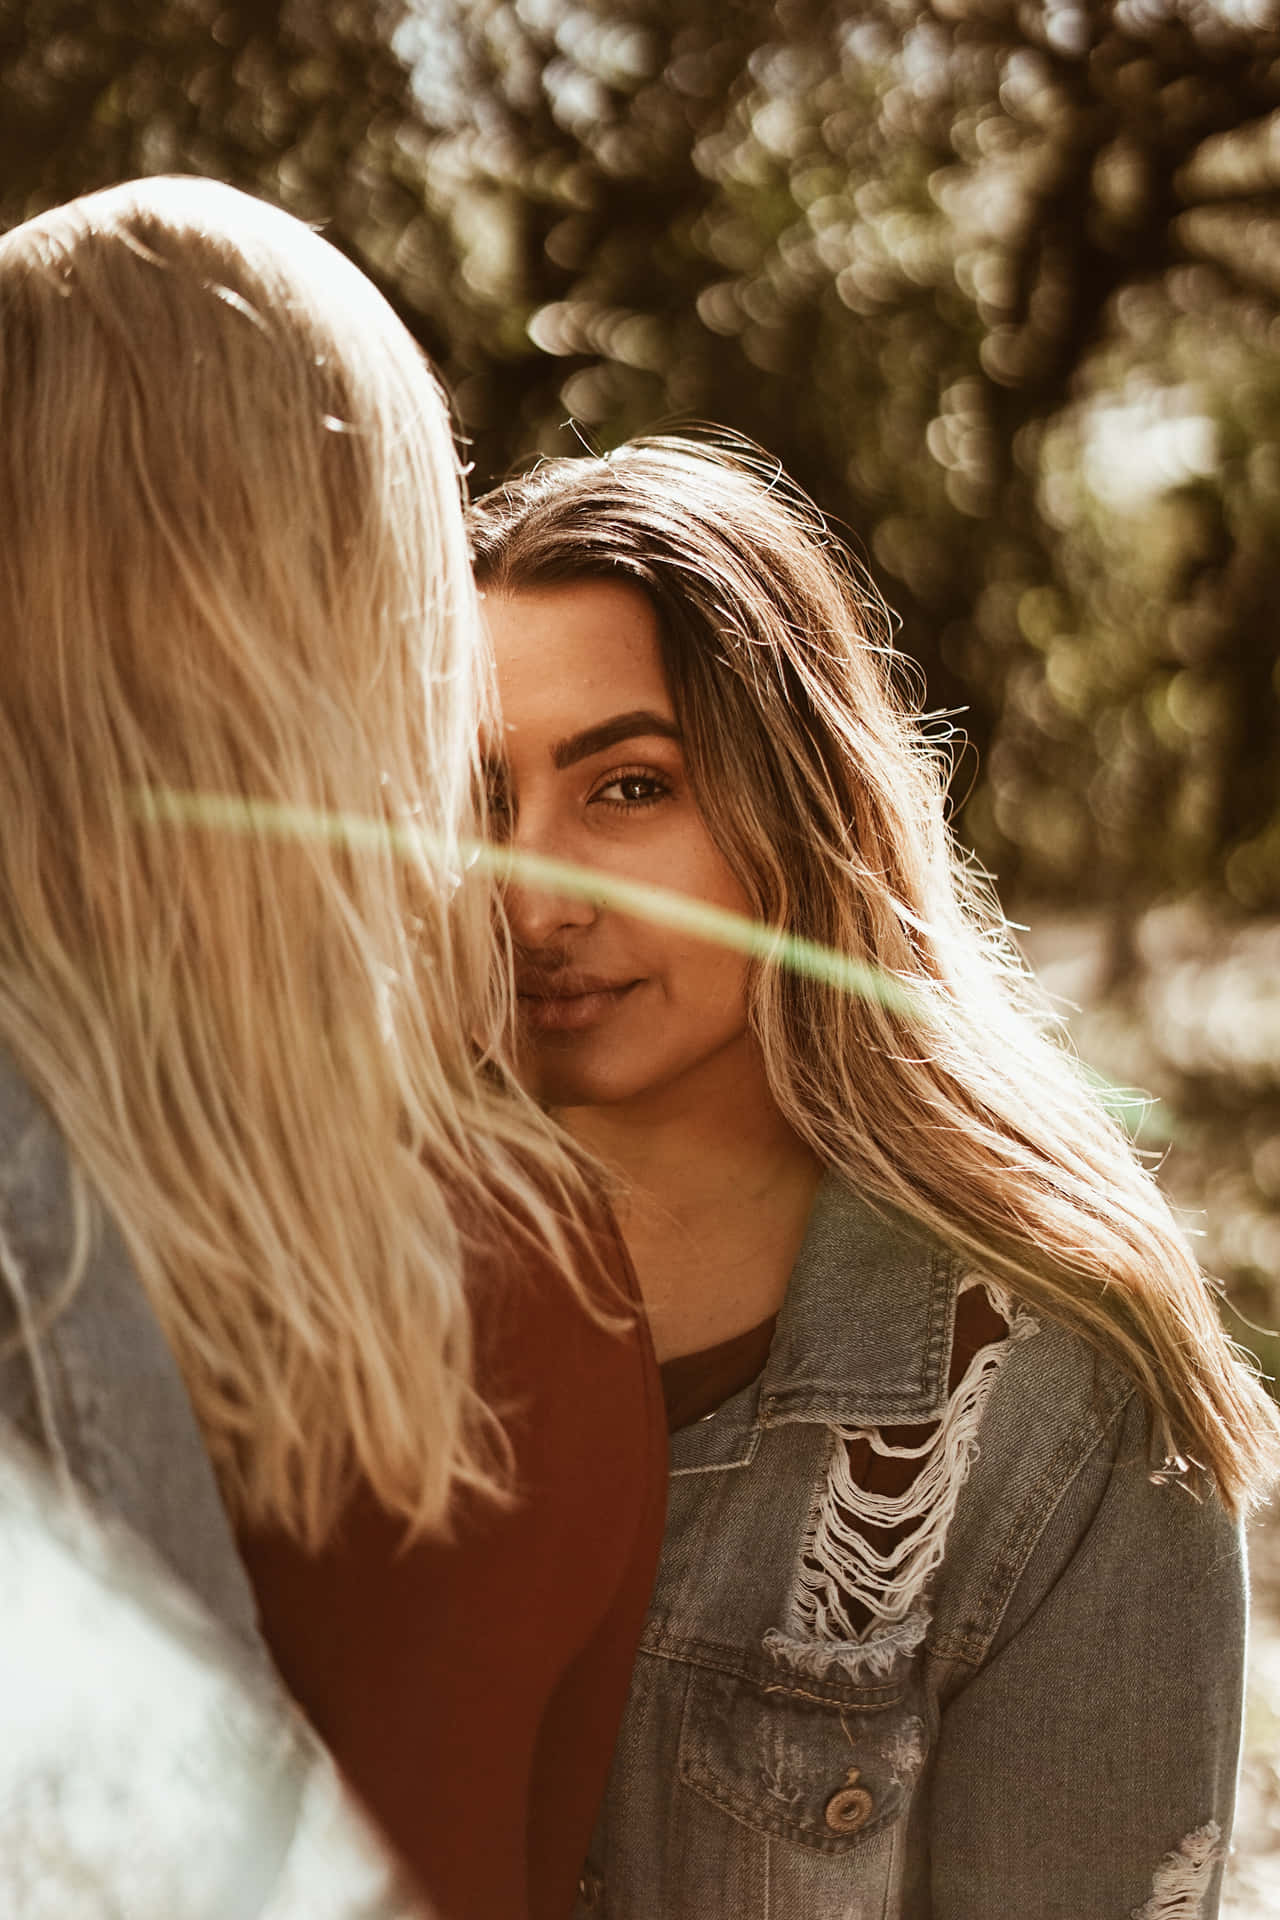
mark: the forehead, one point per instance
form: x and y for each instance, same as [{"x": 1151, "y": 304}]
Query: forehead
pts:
[{"x": 570, "y": 656}]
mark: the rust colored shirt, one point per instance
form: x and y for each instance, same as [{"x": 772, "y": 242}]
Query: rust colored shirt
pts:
[
  {"x": 695, "y": 1384},
  {"x": 471, "y": 1691}
]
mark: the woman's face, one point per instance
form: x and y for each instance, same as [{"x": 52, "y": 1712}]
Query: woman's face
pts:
[{"x": 589, "y": 768}]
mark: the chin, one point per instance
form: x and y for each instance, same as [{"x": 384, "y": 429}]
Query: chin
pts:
[
  {"x": 558, "y": 1081},
  {"x": 581, "y": 1090}
]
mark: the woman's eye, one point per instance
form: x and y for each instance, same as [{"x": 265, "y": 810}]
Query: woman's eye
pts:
[{"x": 632, "y": 790}]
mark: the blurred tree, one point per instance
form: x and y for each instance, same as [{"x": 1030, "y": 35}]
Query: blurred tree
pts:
[
  {"x": 922, "y": 253},
  {"x": 997, "y": 279},
  {"x": 292, "y": 99}
]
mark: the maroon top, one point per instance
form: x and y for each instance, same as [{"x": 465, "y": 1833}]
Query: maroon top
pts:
[{"x": 472, "y": 1692}]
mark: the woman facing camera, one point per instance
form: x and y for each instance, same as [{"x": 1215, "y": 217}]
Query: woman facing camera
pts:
[
  {"x": 291, "y": 1277},
  {"x": 950, "y": 1616}
]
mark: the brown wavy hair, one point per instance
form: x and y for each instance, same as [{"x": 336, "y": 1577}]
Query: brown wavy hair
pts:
[{"x": 827, "y": 796}]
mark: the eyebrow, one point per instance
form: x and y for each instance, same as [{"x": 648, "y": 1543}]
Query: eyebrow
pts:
[{"x": 623, "y": 726}]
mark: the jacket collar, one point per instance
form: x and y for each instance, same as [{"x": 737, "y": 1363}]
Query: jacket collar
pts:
[{"x": 864, "y": 1334}]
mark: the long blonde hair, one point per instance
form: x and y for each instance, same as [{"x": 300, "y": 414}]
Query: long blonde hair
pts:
[
  {"x": 233, "y": 564},
  {"x": 828, "y": 799}
]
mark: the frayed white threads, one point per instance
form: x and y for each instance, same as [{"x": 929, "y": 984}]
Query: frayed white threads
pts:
[
  {"x": 843, "y": 1576},
  {"x": 1182, "y": 1879},
  {"x": 870, "y": 1659}
]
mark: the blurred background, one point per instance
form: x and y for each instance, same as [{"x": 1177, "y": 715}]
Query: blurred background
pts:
[{"x": 998, "y": 281}]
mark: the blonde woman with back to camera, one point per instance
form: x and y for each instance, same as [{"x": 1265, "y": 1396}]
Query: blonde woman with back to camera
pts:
[
  {"x": 950, "y": 1616},
  {"x": 289, "y": 1269}
]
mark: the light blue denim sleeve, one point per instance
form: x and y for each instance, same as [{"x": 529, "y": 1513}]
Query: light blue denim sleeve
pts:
[
  {"x": 87, "y": 1377},
  {"x": 1088, "y": 1769}
]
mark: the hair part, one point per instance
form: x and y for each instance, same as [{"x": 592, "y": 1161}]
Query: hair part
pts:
[
  {"x": 233, "y": 564},
  {"x": 828, "y": 798}
]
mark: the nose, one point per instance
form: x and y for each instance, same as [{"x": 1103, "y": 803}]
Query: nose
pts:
[
  {"x": 539, "y": 914},
  {"x": 540, "y": 917}
]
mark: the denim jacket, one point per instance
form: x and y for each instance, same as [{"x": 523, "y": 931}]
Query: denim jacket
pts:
[
  {"x": 90, "y": 1381},
  {"x": 143, "y": 1733},
  {"x": 1042, "y": 1719}
]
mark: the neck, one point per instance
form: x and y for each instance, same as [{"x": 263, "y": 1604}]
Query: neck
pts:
[
  {"x": 688, "y": 1169},
  {"x": 713, "y": 1198}
]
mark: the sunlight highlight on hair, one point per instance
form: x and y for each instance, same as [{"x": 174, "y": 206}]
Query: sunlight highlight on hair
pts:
[{"x": 234, "y": 562}]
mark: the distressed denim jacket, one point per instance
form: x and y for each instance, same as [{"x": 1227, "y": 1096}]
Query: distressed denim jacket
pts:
[{"x": 1033, "y": 1710}]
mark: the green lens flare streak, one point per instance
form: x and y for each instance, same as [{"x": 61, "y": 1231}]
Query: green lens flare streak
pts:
[
  {"x": 677, "y": 910},
  {"x": 775, "y": 948}
]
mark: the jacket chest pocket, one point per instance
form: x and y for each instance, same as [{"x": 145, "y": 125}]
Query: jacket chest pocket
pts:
[{"x": 798, "y": 1764}]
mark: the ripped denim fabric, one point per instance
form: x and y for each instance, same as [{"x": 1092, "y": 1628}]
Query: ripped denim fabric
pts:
[{"x": 1009, "y": 1685}]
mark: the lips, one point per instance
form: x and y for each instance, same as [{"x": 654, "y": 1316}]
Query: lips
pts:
[{"x": 568, "y": 1003}]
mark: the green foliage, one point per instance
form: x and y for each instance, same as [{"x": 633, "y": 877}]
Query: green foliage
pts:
[
  {"x": 302, "y": 103},
  {"x": 924, "y": 254},
  {"x": 998, "y": 283}
]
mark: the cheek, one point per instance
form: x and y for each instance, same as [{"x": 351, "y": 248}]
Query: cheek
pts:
[
  {"x": 700, "y": 869},
  {"x": 715, "y": 982},
  {"x": 713, "y": 976}
]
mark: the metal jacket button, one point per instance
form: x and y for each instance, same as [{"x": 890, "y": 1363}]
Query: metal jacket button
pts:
[{"x": 849, "y": 1810}]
